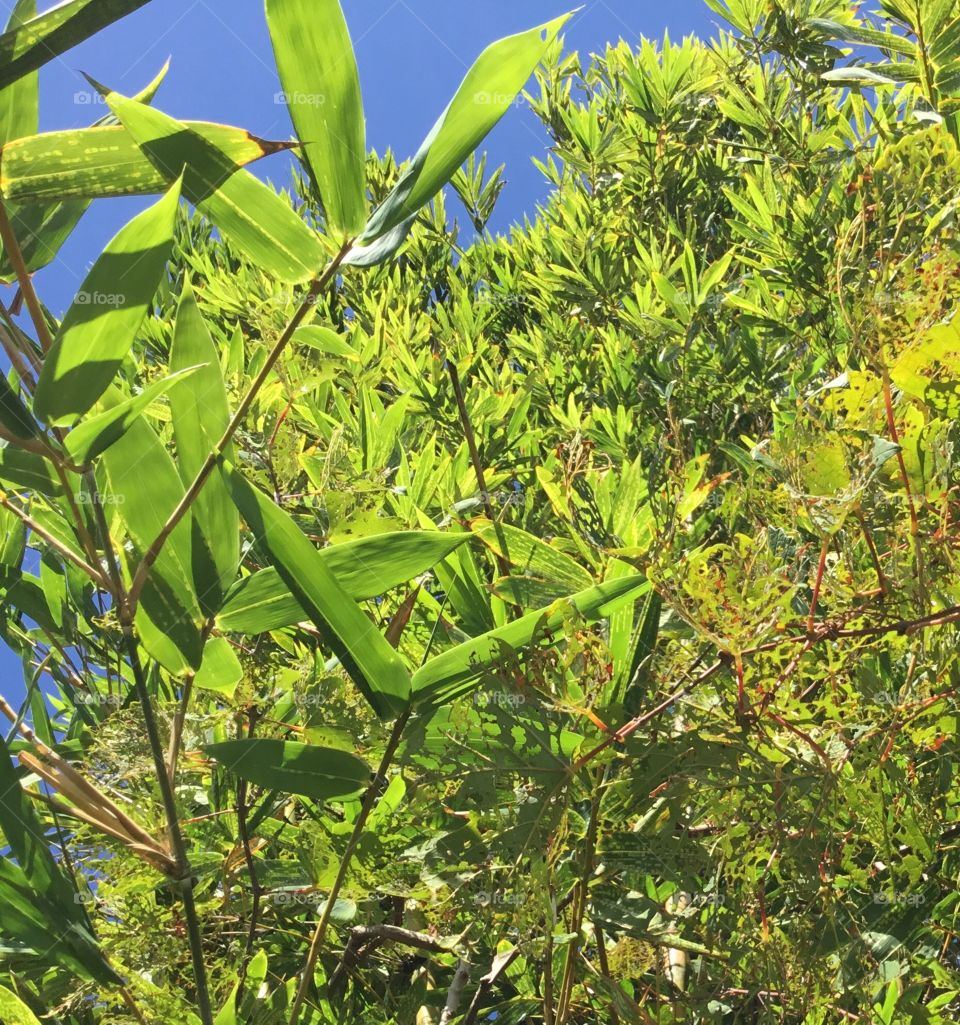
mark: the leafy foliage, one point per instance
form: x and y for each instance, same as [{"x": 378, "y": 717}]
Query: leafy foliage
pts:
[{"x": 422, "y": 626}]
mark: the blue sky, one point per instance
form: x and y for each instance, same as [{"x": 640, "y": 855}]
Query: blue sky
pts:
[{"x": 412, "y": 55}]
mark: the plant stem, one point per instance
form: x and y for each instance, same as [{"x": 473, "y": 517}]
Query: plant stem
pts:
[
  {"x": 369, "y": 800},
  {"x": 173, "y": 824},
  {"x": 12, "y": 248},
  {"x": 95, "y": 575},
  {"x": 304, "y": 310}
]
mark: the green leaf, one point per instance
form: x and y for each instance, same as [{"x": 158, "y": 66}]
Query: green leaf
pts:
[
  {"x": 859, "y": 76},
  {"x": 145, "y": 488},
  {"x": 28, "y": 470},
  {"x": 99, "y": 329},
  {"x": 364, "y": 568},
  {"x": 323, "y": 773},
  {"x": 374, "y": 666},
  {"x": 325, "y": 340},
  {"x": 97, "y": 163},
  {"x": 20, "y": 101},
  {"x": 220, "y": 669},
  {"x": 461, "y": 669},
  {"x": 868, "y": 36},
  {"x": 321, "y": 87},
  {"x": 200, "y": 415},
  {"x": 534, "y": 557},
  {"x": 13, "y": 1011},
  {"x": 484, "y": 96},
  {"x": 252, "y": 216},
  {"x": 37, "y": 42},
  {"x": 14, "y": 415},
  {"x": 42, "y": 228},
  {"x": 93, "y": 436}
]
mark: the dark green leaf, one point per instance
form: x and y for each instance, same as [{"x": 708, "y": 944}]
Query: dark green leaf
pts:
[
  {"x": 374, "y": 666},
  {"x": 323, "y": 773},
  {"x": 37, "y": 42}
]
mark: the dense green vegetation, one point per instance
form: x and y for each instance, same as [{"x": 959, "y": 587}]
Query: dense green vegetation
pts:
[{"x": 425, "y": 627}]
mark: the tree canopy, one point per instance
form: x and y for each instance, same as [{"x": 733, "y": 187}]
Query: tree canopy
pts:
[{"x": 425, "y": 626}]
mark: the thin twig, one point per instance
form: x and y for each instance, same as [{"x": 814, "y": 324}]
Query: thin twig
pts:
[
  {"x": 12, "y": 248},
  {"x": 369, "y": 800}
]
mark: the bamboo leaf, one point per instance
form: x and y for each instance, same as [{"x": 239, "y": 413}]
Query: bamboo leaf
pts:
[
  {"x": 220, "y": 669},
  {"x": 93, "y": 436},
  {"x": 20, "y": 101},
  {"x": 145, "y": 488},
  {"x": 14, "y": 415},
  {"x": 42, "y": 227},
  {"x": 364, "y": 568},
  {"x": 29, "y": 844},
  {"x": 461, "y": 669},
  {"x": 258, "y": 221},
  {"x": 484, "y": 96},
  {"x": 13, "y": 1011},
  {"x": 97, "y": 163},
  {"x": 99, "y": 328},
  {"x": 38, "y": 41},
  {"x": 200, "y": 415},
  {"x": 374, "y": 666},
  {"x": 323, "y": 773},
  {"x": 321, "y": 88}
]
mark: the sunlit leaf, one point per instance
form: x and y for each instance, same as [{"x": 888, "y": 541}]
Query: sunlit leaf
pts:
[
  {"x": 200, "y": 416},
  {"x": 483, "y": 97},
  {"x": 364, "y": 568},
  {"x": 255, "y": 219},
  {"x": 321, "y": 88},
  {"x": 99, "y": 328}
]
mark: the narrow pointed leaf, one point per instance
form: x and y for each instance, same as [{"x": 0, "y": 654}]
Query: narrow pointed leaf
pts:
[
  {"x": 462, "y": 669},
  {"x": 252, "y": 216},
  {"x": 28, "y": 843},
  {"x": 145, "y": 488},
  {"x": 323, "y": 773},
  {"x": 373, "y": 665},
  {"x": 99, "y": 328},
  {"x": 93, "y": 436},
  {"x": 20, "y": 101},
  {"x": 364, "y": 568},
  {"x": 484, "y": 96},
  {"x": 321, "y": 88},
  {"x": 14, "y": 414},
  {"x": 95, "y": 163},
  {"x": 200, "y": 414},
  {"x": 42, "y": 227},
  {"x": 37, "y": 42}
]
